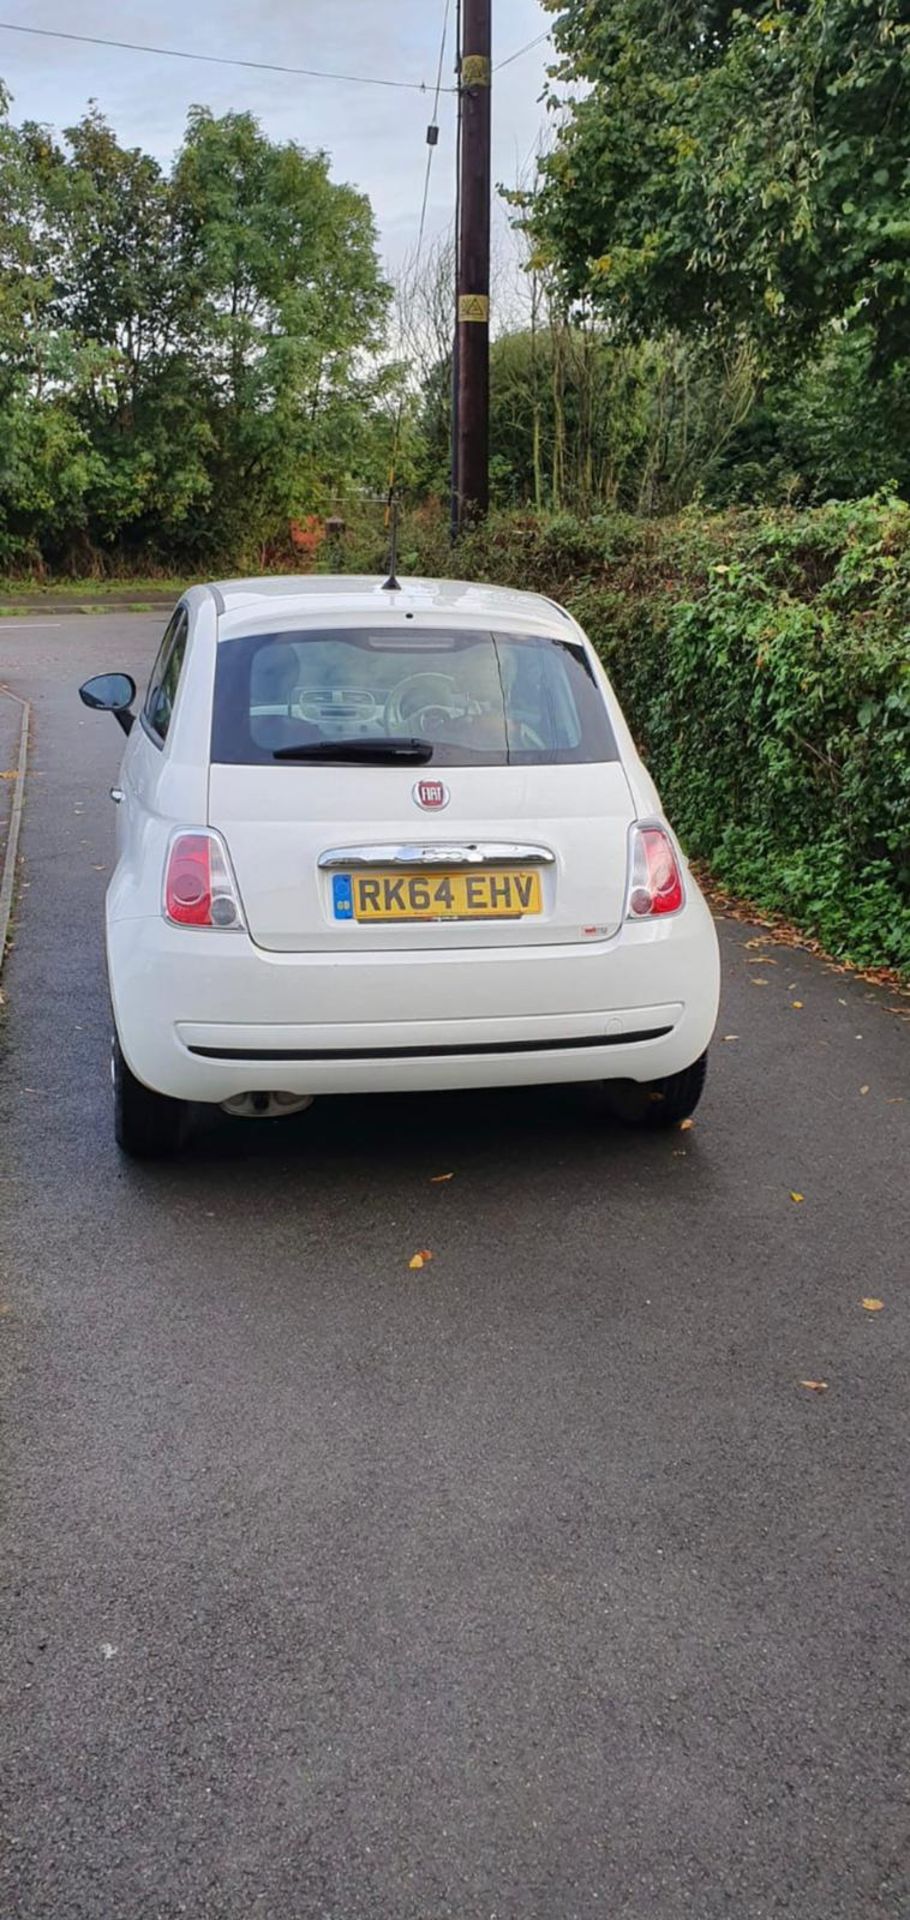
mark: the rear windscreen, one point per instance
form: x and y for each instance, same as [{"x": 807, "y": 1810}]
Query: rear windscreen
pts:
[{"x": 476, "y": 699}]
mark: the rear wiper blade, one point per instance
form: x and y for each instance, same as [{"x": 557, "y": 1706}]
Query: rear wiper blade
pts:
[{"x": 416, "y": 752}]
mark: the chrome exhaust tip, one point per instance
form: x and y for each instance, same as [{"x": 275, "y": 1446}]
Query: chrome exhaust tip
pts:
[{"x": 266, "y": 1106}]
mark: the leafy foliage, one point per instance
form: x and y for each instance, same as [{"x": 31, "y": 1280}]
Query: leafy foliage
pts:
[
  {"x": 183, "y": 360},
  {"x": 763, "y": 662},
  {"x": 735, "y": 165}
]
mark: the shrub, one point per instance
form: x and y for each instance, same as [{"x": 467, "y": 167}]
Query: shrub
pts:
[{"x": 763, "y": 661}]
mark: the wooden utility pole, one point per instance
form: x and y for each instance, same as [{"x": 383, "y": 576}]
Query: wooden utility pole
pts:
[{"x": 470, "y": 452}]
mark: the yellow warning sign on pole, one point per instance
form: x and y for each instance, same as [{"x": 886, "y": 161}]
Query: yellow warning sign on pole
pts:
[{"x": 473, "y": 306}]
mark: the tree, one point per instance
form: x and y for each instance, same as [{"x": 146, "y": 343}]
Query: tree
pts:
[
  {"x": 45, "y": 458},
  {"x": 734, "y": 167},
  {"x": 119, "y": 300},
  {"x": 284, "y": 303},
  {"x": 187, "y": 361}
]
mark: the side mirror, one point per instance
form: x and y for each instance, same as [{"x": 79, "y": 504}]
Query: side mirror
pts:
[{"x": 111, "y": 693}]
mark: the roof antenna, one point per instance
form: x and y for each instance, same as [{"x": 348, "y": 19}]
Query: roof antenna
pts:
[{"x": 391, "y": 585}]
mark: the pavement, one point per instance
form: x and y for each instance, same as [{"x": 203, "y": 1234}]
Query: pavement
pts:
[
  {"x": 10, "y": 735},
  {"x": 34, "y": 606},
  {"x": 533, "y": 1585}
]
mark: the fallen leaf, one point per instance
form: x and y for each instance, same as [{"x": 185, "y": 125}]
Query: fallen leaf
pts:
[
  {"x": 731, "y": 907},
  {"x": 421, "y": 1259},
  {"x": 684, "y": 1125},
  {"x": 436, "y": 1179},
  {"x": 864, "y": 1089},
  {"x": 797, "y": 1197},
  {"x": 815, "y": 1386},
  {"x": 729, "y": 1036},
  {"x": 796, "y": 1003},
  {"x": 759, "y": 983},
  {"x": 840, "y": 1002},
  {"x": 873, "y": 1306}
]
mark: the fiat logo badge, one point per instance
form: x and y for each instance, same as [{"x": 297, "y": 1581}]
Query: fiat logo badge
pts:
[{"x": 431, "y": 795}]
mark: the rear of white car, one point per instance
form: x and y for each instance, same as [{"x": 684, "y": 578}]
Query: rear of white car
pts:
[{"x": 396, "y": 841}]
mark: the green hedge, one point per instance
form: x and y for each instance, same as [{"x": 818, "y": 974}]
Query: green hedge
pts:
[{"x": 763, "y": 661}]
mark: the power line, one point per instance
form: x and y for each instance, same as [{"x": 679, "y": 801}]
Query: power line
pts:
[
  {"x": 259, "y": 66},
  {"x": 221, "y": 60},
  {"x": 432, "y": 138},
  {"x": 431, "y": 146},
  {"x": 541, "y": 37}
]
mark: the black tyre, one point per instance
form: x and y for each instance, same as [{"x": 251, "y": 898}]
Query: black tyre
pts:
[
  {"x": 658, "y": 1103},
  {"x": 147, "y": 1125}
]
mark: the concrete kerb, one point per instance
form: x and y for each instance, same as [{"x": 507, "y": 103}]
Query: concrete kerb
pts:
[{"x": 8, "y": 875}]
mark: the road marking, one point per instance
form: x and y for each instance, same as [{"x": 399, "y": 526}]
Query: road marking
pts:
[{"x": 29, "y": 626}]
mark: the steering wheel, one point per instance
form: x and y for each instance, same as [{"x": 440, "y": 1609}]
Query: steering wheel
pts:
[
  {"x": 434, "y": 695},
  {"x": 429, "y": 699}
]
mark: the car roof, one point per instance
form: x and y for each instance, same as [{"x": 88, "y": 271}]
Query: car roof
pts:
[{"x": 308, "y": 595}]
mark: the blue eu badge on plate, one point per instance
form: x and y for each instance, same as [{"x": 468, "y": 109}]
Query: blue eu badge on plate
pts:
[{"x": 341, "y": 896}]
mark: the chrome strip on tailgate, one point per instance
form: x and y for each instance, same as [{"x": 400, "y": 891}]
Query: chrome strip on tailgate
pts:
[{"x": 488, "y": 853}]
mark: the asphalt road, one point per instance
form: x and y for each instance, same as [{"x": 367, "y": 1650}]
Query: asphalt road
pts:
[{"x": 531, "y": 1586}]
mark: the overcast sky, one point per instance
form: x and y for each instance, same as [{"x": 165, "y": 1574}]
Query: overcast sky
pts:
[{"x": 375, "y": 137}]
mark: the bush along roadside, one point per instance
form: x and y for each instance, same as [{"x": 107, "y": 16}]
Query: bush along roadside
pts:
[{"x": 763, "y": 661}]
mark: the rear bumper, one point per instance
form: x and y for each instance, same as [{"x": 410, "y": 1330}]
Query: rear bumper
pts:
[{"x": 205, "y": 1015}]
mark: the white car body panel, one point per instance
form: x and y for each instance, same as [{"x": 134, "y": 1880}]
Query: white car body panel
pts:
[
  {"x": 277, "y": 821},
  {"x": 409, "y": 1006}
]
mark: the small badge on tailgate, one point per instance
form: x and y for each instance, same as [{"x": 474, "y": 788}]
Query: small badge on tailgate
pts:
[{"x": 430, "y": 794}]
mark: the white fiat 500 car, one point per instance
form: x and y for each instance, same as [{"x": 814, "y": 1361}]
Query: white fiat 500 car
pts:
[{"x": 381, "y": 838}]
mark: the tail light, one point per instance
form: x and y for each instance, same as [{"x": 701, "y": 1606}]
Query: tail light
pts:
[
  {"x": 199, "y": 887},
  {"x": 656, "y": 885}
]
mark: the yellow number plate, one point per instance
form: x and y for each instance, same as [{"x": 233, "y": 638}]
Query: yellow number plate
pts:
[{"x": 494, "y": 894}]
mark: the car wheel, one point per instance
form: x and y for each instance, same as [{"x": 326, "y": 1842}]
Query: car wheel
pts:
[
  {"x": 658, "y": 1103},
  {"x": 147, "y": 1125}
]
